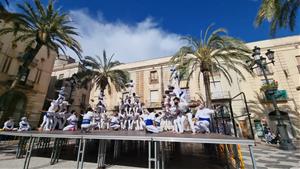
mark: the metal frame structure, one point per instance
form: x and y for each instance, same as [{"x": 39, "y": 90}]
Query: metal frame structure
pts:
[{"x": 156, "y": 153}]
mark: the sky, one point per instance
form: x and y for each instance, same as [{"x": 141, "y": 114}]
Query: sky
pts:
[{"x": 143, "y": 29}]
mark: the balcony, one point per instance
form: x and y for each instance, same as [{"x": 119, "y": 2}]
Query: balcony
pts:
[{"x": 280, "y": 95}]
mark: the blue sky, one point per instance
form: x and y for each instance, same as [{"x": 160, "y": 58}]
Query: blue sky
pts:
[{"x": 142, "y": 29}]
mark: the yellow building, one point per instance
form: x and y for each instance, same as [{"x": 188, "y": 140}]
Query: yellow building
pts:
[
  {"x": 151, "y": 78},
  {"x": 26, "y": 99}
]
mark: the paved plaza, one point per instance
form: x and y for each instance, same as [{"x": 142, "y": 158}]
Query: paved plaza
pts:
[
  {"x": 270, "y": 157},
  {"x": 267, "y": 157}
]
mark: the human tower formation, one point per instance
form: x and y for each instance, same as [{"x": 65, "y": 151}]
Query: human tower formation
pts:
[{"x": 175, "y": 116}]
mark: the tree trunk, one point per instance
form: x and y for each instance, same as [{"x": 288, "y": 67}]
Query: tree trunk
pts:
[
  {"x": 206, "y": 80},
  {"x": 27, "y": 60}
]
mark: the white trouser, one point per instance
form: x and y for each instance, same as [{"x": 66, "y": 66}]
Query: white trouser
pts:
[
  {"x": 179, "y": 124},
  {"x": 24, "y": 129},
  {"x": 88, "y": 126},
  {"x": 137, "y": 124},
  {"x": 104, "y": 124},
  {"x": 130, "y": 122},
  {"x": 152, "y": 129},
  {"x": 124, "y": 124},
  {"x": 202, "y": 126},
  {"x": 49, "y": 123},
  {"x": 70, "y": 127},
  {"x": 98, "y": 124},
  {"x": 142, "y": 124},
  {"x": 55, "y": 120},
  {"x": 115, "y": 126},
  {"x": 44, "y": 122},
  {"x": 191, "y": 123}
]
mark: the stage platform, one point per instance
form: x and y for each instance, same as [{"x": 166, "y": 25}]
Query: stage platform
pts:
[
  {"x": 212, "y": 138},
  {"x": 155, "y": 141}
]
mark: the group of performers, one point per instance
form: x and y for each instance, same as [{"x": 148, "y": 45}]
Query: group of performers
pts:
[{"x": 175, "y": 116}]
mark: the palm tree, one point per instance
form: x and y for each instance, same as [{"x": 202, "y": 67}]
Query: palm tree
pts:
[
  {"x": 213, "y": 52},
  {"x": 38, "y": 27},
  {"x": 280, "y": 14},
  {"x": 103, "y": 72},
  {"x": 3, "y": 11}
]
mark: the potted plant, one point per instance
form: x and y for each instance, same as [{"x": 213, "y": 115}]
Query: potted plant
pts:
[{"x": 269, "y": 88}]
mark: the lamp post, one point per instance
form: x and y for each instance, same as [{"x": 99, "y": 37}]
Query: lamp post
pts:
[{"x": 261, "y": 62}]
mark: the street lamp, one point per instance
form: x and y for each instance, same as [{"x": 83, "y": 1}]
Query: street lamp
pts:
[{"x": 261, "y": 62}]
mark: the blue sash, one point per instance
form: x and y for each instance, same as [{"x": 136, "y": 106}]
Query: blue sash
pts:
[
  {"x": 204, "y": 119},
  {"x": 149, "y": 122},
  {"x": 113, "y": 123},
  {"x": 24, "y": 125},
  {"x": 86, "y": 121}
]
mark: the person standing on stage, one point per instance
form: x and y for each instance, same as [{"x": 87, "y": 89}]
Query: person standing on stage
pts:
[
  {"x": 203, "y": 118},
  {"x": 24, "y": 124}
]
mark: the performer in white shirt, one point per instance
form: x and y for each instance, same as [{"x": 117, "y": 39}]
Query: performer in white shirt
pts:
[
  {"x": 9, "y": 125},
  {"x": 203, "y": 118},
  {"x": 86, "y": 124},
  {"x": 61, "y": 95},
  {"x": 150, "y": 123},
  {"x": 72, "y": 122},
  {"x": 24, "y": 124},
  {"x": 115, "y": 122}
]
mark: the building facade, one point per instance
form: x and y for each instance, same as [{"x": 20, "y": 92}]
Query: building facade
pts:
[
  {"x": 151, "y": 78},
  {"x": 64, "y": 69},
  {"x": 25, "y": 99}
]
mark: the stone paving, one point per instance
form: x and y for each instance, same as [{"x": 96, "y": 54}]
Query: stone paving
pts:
[
  {"x": 267, "y": 157},
  {"x": 270, "y": 157}
]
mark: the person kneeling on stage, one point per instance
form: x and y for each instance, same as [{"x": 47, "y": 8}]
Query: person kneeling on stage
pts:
[
  {"x": 72, "y": 122},
  {"x": 203, "y": 119},
  {"x": 115, "y": 122},
  {"x": 151, "y": 125},
  {"x": 86, "y": 124},
  {"x": 9, "y": 125},
  {"x": 24, "y": 124}
]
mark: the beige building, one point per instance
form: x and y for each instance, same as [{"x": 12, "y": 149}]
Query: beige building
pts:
[
  {"x": 64, "y": 69},
  {"x": 26, "y": 99},
  {"x": 151, "y": 78}
]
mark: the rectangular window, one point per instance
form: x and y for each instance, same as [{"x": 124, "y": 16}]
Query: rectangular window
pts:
[
  {"x": 6, "y": 64},
  {"x": 60, "y": 76},
  {"x": 298, "y": 62},
  {"x": 153, "y": 76},
  {"x": 38, "y": 76},
  {"x": 154, "y": 96}
]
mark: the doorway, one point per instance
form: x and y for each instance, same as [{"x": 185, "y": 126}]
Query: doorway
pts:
[{"x": 12, "y": 104}]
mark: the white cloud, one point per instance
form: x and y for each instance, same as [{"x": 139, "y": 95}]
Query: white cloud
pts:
[{"x": 143, "y": 40}]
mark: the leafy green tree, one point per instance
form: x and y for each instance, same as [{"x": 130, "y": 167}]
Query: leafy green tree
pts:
[
  {"x": 215, "y": 51},
  {"x": 37, "y": 27},
  {"x": 280, "y": 14},
  {"x": 103, "y": 72}
]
